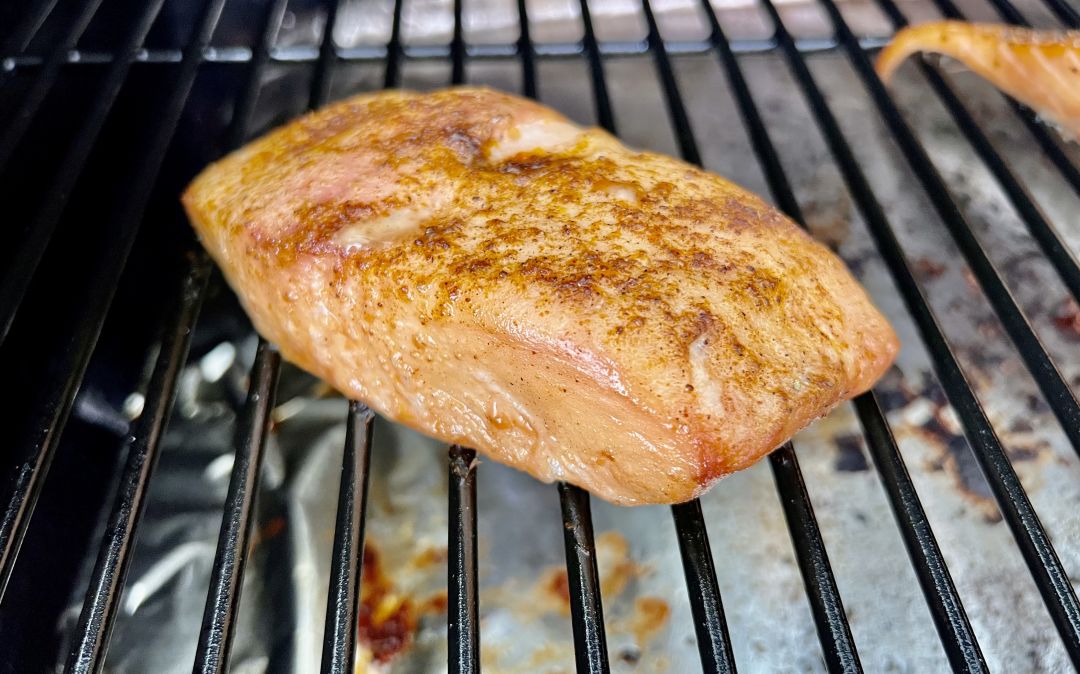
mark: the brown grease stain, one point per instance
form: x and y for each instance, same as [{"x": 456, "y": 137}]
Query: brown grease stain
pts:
[
  {"x": 650, "y": 616},
  {"x": 387, "y": 618},
  {"x": 273, "y": 528}
]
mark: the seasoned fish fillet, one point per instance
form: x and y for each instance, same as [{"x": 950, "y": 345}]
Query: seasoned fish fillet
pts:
[
  {"x": 1040, "y": 68},
  {"x": 474, "y": 266}
]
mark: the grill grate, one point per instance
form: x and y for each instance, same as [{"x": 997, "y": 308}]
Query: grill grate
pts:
[
  {"x": 339, "y": 635},
  {"x": 48, "y": 419}
]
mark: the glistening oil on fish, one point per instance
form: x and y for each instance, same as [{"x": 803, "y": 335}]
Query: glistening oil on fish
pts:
[{"x": 641, "y": 348}]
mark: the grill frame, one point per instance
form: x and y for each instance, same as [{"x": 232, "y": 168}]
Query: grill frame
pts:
[{"x": 840, "y": 654}]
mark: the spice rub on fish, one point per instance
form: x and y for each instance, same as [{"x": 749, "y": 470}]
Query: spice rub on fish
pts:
[
  {"x": 473, "y": 265},
  {"x": 1040, "y": 68}
]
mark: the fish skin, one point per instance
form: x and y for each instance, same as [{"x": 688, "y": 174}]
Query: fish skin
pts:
[
  {"x": 475, "y": 266},
  {"x": 1040, "y": 68}
]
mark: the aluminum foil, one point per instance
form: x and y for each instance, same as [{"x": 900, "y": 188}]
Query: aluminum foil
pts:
[{"x": 524, "y": 614}]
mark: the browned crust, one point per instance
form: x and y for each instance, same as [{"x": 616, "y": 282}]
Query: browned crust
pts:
[{"x": 532, "y": 250}]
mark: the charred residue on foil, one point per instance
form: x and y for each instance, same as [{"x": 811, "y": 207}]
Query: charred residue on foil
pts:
[
  {"x": 634, "y": 621},
  {"x": 388, "y": 617},
  {"x": 393, "y": 611},
  {"x": 850, "y": 453},
  {"x": 1067, "y": 319},
  {"x": 922, "y": 411},
  {"x": 617, "y": 571}
]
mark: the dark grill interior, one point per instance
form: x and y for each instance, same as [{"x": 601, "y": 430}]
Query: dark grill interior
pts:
[{"x": 101, "y": 276}]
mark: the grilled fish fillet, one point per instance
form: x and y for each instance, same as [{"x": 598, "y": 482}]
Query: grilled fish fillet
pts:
[
  {"x": 473, "y": 265},
  {"x": 1040, "y": 68}
]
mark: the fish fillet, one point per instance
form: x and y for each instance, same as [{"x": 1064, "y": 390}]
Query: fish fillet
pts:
[
  {"x": 475, "y": 266},
  {"x": 1040, "y": 68}
]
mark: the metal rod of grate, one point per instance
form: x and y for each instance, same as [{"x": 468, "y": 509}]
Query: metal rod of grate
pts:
[
  {"x": 108, "y": 576},
  {"x": 226, "y": 578},
  {"x": 21, "y": 34},
  {"x": 710, "y": 626},
  {"x": 1050, "y": 381},
  {"x": 1065, "y": 12},
  {"x": 463, "y": 616},
  {"x": 463, "y": 609},
  {"x": 339, "y": 635},
  {"x": 99, "y": 607},
  {"x": 223, "y": 599},
  {"x": 587, "y": 616},
  {"x": 714, "y": 642},
  {"x": 583, "y": 580}
]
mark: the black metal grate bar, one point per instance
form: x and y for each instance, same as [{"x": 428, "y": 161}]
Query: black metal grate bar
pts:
[
  {"x": 951, "y": 621},
  {"x": 393, "y": 49},
  {"x": 457, "y": 47},
  {"x": 824, "y": 597},
  {"x": 586, "y": 604},
  {"x": 604, "y": 116},
  {"x": 322, "y": 79},
  {"x": 1049, "y": 575},
  {"x": 1053, "y": 386},
  {"x": 1068, "y": 170},
  {"x": 954, "y": 629},
  {"x": 590, "y": 644},
  {"x": 99, "y": 608},
  {"x": 755, "y": 125},
  {"x": 583, "y": 579},
  {"x": 223, "y": 598},
  {"x": 527, "y": 52},
  {"x": 714, "y": 643},
  {"x": 953, "y": 626},
  {"x": 464, "y": 601},
  {"x": 829, "y": 616},
  {"x": 1065, "y": 12},
  {"x": 50, "y": 69},
  {"x": 260, "y": 58},
  {"x": 1036, "y": 221},
  {"x": 52, "y": 415},
  {"x": 226, "y": 578},
  {"x": 339, "y": 636},
  {"x": 23, "y": 32},
  {"x": 680, "y": 121},
  {"x": 17, "y": 278}
]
